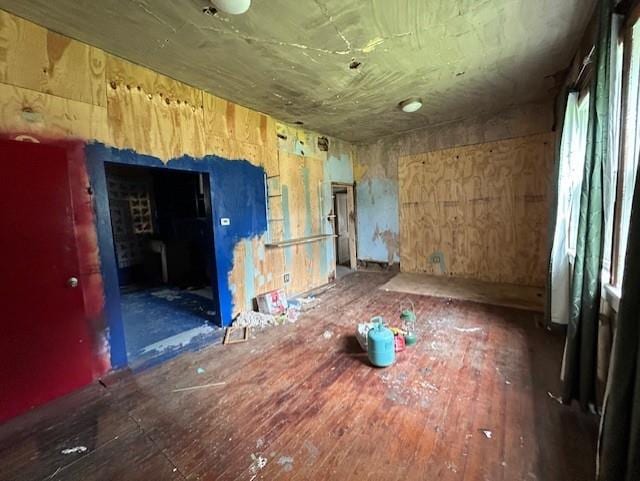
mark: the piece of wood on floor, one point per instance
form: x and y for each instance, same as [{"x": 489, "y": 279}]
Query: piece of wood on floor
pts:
[{"x": 236, "y": 335}]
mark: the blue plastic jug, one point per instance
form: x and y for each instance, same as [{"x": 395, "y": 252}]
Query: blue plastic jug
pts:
[{"x": 380, "y": 345}]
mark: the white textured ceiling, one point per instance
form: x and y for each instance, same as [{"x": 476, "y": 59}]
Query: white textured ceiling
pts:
[{"x": 290, "y": 58}]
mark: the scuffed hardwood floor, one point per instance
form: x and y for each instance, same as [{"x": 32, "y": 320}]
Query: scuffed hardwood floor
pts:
[{"x": 469, "y": 402}]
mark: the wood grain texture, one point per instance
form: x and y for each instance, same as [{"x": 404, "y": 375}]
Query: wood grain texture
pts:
[
  {"x": 236, "y": 132},
  {"x": 315, "y": 409},
  {"x": 153, "y": 114},
  {"x": 27, "y": 112},
  {"x": 478, "y": 211},
  {"x": 34, "y": 58}
]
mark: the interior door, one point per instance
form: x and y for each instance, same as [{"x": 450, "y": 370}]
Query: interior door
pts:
[{"x": 45, "y": 345}]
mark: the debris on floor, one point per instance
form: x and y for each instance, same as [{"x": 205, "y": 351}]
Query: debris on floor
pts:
[
  {"x": 487, "y": 433},
  {"x": 361, "y": 334},
  {"x": 256, "y": 319},
  {"x": 202, "y": 386},
  {"x": 273, "y": 302},
  {"x": 235, "y": 335},
  {"x": 557, "y": 399},
  {"x": 76, "y": 450},
  {"x": 304, "y": 304},
  {"x": 327, "y": 334},
  {"x": 257, "y": 463},
  {"x": 468, "y": 329},
  {"x": 200, "y": 370},
  {"x": 261, "y": 320},
  {"x": 286, "y": 462}
]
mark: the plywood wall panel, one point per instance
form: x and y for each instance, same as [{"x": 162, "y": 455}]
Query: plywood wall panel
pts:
[
  {"x": 152, "y": 113},
  {"x": 255, "y": 270},
  {"x": 235, "y": 132},
  {"x": 34, "y": 58},
  {"x": 55, "y": 87},
  {"x": 301, "y": 179},
  {"x": 478, "y": 211},
  {"x": 27, "y": 112}
]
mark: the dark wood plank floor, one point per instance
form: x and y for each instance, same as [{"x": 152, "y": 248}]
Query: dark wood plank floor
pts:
[{"x": 469, "y": 402}]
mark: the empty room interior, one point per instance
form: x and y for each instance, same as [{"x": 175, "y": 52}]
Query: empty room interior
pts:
[{"x": 320, "y": 240}]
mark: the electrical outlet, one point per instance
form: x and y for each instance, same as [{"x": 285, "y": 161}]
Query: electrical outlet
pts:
[
  {"x": 287, "y": 278},
  {"x": 225, "y": 221}
]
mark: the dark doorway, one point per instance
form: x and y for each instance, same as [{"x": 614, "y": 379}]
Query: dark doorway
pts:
[
  {"x": 344, "y": 228},
  {"x": 162, "y": 233}
]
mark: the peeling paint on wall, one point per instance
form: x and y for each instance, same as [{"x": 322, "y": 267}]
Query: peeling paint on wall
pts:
[
  {"x": 375, "y": 168},
  {"x": 237, "y": 193},
  {"x": 378, "y": 225}
]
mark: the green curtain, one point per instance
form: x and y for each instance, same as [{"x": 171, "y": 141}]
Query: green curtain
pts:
[
  {"x": 619, "y": 446},
  {"x": 580, "y": 356}
]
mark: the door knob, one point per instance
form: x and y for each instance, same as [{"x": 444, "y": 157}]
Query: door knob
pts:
[{"x": 72, "y": 282}]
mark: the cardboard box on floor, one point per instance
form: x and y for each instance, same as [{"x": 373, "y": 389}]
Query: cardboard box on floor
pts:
[{"x": 273, "y": 302}]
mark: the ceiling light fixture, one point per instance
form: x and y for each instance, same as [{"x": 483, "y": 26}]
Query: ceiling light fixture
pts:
[
  {"x": 410, "y": 105},
  {"x": 233, "y": 7}
]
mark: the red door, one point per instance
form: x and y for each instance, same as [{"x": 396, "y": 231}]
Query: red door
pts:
[{"x": 45, "y": 345}]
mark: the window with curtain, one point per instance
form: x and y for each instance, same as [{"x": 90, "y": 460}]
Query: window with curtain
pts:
[
  {"x": 571, "y": 181},
  {"x": 630, "y": 152},
  {"x": 570, "y": 173}
]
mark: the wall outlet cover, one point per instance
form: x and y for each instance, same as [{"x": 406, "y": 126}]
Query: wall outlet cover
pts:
[
  {"x": 225, "y": 221},
  {"x": 287, "y": 278}
]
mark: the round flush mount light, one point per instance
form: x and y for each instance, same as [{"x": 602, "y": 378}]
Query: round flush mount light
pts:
[
  {"x": 410, "y": 105},
  {"x": 233, "y": 7}
]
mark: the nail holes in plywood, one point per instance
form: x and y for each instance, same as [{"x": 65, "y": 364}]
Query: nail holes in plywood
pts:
[{"x": 323, "y": 143}]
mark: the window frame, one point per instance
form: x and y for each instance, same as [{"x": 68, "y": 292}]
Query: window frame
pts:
[{"x": 626, "y": 33}]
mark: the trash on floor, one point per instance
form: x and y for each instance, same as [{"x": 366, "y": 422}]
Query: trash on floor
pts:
[
  {"x": 200, "y": 370},
  {"x": 202, "y": 386},
  {"x": 557, "y": 399},
  {"x": 487, "y": 433},
  {"x": 273, "y": 302},
  {"x": 235, "y": 335},
  {"x": 327, "y": 334},
  {"x": 303, "y": 304},
  {"x": 257, "y": 463},
  {"x": 361, "y": 334},
  {"x": 76, "y": 450},
  {"x": 255, "y": 319}
]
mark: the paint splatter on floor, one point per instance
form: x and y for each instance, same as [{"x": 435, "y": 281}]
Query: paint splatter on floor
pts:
[{"x": 166, "y": 320}]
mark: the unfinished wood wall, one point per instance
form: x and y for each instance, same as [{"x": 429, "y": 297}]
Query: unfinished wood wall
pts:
[
  {"x": 478, "y": 211},
  {"x": 53, "y": 87}
]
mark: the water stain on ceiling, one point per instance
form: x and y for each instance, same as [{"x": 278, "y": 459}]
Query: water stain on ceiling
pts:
[{"x": 340, "y": 66}]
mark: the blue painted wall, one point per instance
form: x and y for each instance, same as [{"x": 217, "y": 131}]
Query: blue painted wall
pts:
[
  {"x": 378, "y": 219},
  {"x": 237, "y": 193}
]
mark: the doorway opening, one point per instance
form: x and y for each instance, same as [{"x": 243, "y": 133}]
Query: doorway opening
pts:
[
  {"x": 163, "y": 242},
  {"x": 343, "y": 220}
]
